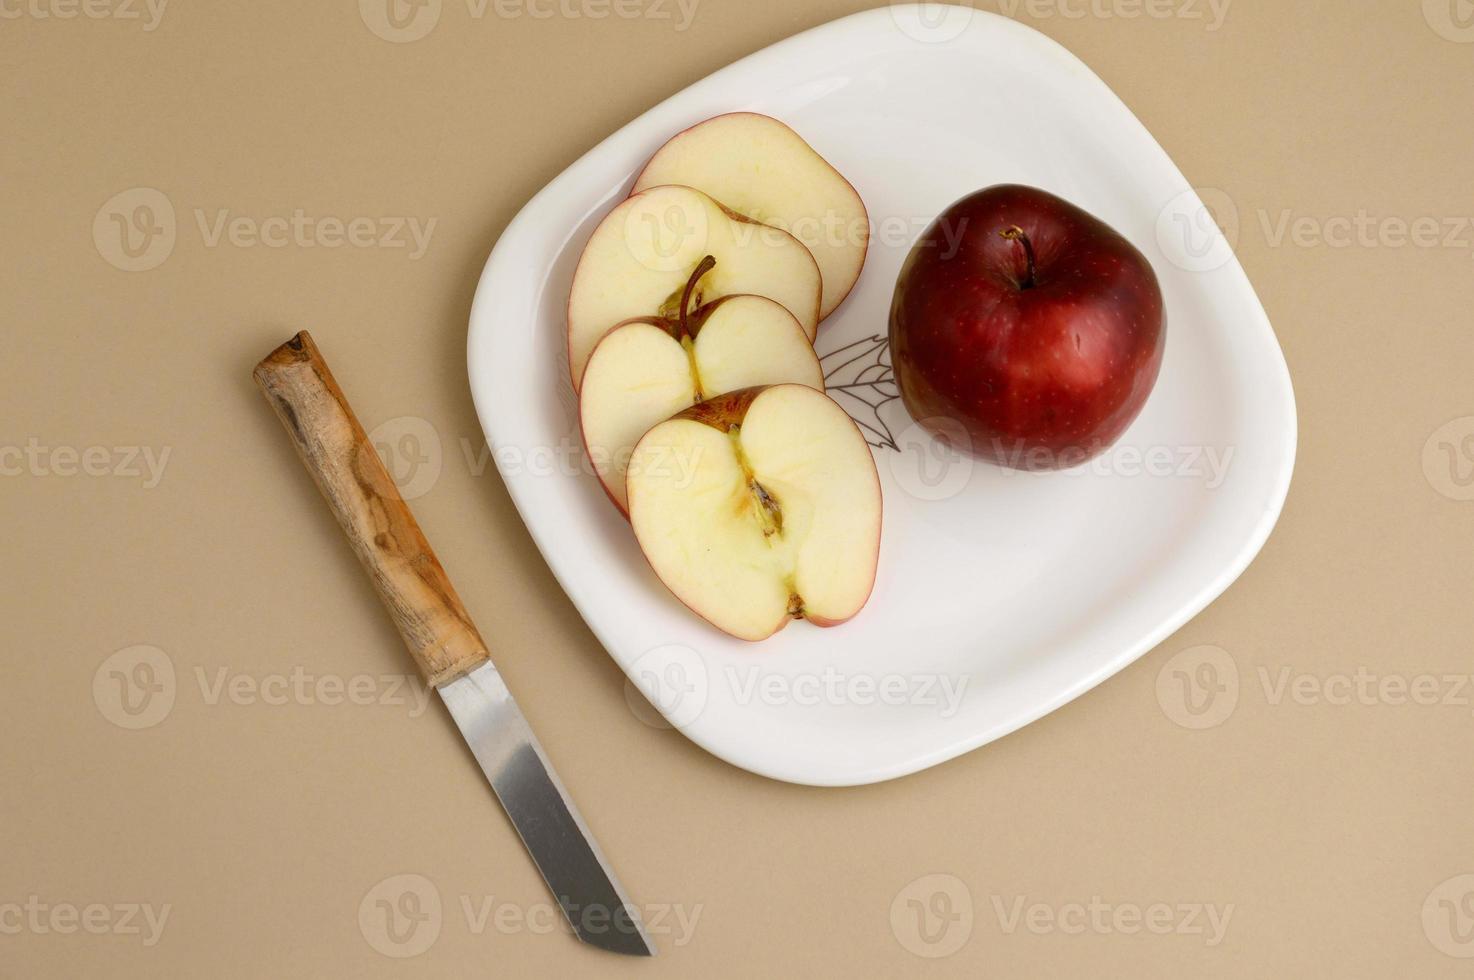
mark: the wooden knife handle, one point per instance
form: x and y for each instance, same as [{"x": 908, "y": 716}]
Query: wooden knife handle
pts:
[{"x": 379, "y": 525}]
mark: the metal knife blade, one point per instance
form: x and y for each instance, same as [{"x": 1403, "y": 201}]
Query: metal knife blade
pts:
[{"x": 550, "y": 825}]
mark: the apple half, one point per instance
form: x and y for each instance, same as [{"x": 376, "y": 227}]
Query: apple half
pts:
[
  {"x": 759, "y": 506},
  {"x": 640, "y": 257},
  {"x": 647, "y": 369},
  {"x": 762, "y": 169}
]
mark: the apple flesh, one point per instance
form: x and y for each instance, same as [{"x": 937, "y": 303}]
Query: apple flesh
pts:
[
  {"x": 1025, "y": 330},
  {"x": 648, "y": 369},
  {"x": 640, "y": 257},
  {"x": 760, "y": 168},
  {"x": 759, "y": 506}
]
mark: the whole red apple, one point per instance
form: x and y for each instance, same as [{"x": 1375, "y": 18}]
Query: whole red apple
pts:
[{"x": 1024, "y": 330}]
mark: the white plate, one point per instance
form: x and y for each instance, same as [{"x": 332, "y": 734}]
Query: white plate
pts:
[{"x": 1021, "y": 591}]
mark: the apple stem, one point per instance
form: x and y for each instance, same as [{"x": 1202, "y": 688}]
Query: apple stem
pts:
[
  {"x": 702, "y": 268},
  {"x": 1016, "y": 234}
]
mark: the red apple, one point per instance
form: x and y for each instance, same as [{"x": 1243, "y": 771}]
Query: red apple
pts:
[{"x": 1024, "y": 330}]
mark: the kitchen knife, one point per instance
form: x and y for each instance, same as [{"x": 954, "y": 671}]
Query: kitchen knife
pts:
[{"x": 445, "y": 644}]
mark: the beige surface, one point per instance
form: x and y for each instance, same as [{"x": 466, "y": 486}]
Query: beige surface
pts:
[{"x": 1327, "y": 827}]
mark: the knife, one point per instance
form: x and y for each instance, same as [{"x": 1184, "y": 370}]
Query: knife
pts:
[{"x": 446, "y": 645}]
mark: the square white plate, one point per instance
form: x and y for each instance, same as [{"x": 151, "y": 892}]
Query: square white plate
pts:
[{"x": 1000, "y": 596}]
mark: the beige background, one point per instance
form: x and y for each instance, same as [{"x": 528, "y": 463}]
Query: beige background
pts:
[{"x": 1326, "y": 827}]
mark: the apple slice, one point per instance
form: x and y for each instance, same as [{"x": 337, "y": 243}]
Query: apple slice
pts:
[
  {"x": 647, "y": 369},
  {"x": 760, "y": 168},
  {"x": 759, "y": 506},
  {"x": 643, "y": 253}
]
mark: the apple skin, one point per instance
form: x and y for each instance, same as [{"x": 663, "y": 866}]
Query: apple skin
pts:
[
  {"x": 1038, "y": 375},
  {"x": 725, "y": 410}
]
